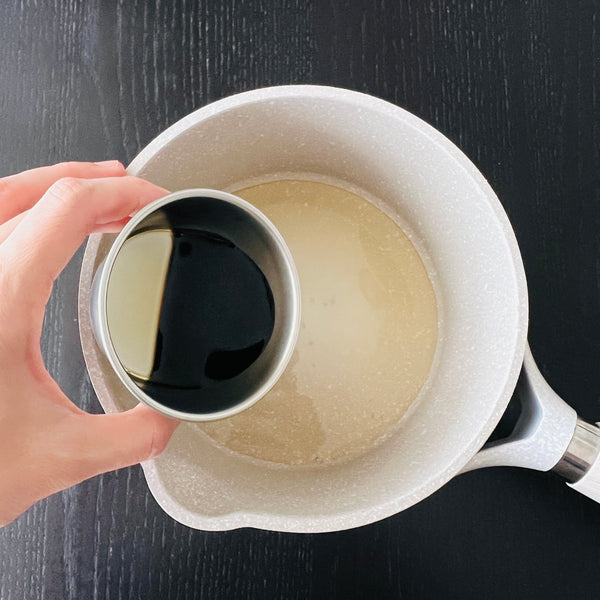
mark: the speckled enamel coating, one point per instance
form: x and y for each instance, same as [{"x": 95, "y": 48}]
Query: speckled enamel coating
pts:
[{"x": 467, "y": 244}]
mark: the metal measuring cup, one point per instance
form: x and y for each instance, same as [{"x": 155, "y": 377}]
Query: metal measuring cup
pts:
[{"x": 240, "y": 222}]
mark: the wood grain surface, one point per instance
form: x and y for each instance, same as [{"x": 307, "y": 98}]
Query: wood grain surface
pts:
[{"x": 515, "y": 84}]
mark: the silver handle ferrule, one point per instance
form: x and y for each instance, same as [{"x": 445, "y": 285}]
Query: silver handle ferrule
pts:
[{"x": 582, "y": 451}]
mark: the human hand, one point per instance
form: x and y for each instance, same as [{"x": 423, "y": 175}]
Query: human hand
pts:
[{"x": 46, "y": 442}]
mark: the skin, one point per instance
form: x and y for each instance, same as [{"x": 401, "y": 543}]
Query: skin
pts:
[{"x": 47, "y": 443}]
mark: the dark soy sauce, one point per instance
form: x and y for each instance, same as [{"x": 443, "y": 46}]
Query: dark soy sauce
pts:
[{"x": 216, "y": 318}]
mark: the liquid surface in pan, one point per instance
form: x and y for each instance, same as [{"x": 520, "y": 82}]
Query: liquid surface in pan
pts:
[{"x": 368, "y": 332}]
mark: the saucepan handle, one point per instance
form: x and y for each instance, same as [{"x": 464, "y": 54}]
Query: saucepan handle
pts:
[{"x": 548, "y": 435}]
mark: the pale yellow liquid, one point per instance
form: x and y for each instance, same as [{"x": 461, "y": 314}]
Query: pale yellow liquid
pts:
[
  {"x": 368, "y": 332},
  {"x": 134, "y": 298}
]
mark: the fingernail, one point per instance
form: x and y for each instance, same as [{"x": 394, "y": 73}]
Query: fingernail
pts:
[{"x": 109, "y": 163}]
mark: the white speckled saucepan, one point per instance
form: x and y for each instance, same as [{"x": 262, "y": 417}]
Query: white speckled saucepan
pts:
[{"x": 457, "y": 223}]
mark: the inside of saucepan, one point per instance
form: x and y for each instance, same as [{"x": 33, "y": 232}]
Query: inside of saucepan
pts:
[{"x": 423, "y": 181}]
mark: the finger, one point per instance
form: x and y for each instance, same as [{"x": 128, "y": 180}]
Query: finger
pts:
[
  {"x": 47, "y": 237},
  {"x": 108, "y": 442},
  {"x": 7, "y": 228},
  {"x": 21, "y": 191},
  {"x": 113, "y": 227}
]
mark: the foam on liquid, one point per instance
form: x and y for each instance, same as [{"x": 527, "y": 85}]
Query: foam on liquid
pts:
[{"x": 368, "y": 332}]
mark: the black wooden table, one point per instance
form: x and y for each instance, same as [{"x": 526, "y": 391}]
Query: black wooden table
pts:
[{"x": 515, "y": 84}]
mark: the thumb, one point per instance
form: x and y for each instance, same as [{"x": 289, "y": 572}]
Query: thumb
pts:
[{"x": 122, "y": 439}]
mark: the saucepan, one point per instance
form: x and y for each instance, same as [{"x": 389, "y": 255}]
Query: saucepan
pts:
[{"x": 440, "y": 199}]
